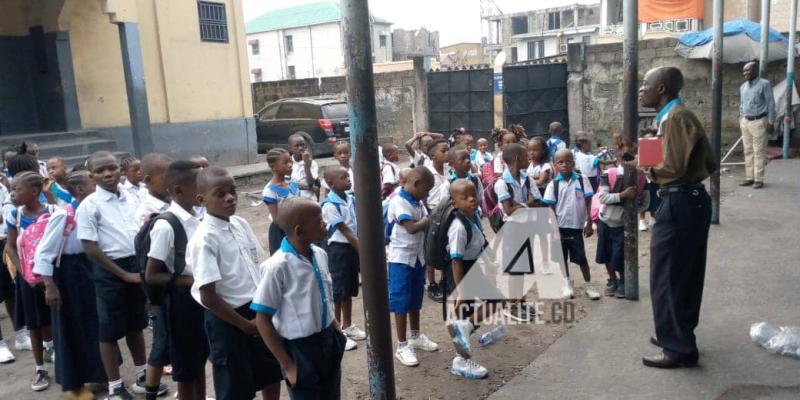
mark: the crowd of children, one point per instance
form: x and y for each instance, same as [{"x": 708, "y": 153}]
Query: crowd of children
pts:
[{"x": 99, "y": 251}]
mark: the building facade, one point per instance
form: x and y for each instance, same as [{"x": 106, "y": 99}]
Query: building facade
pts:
[
  {"x": 462, "y": 55},
  {"x": 306, "y": 42},
  {"x": 541, "y": 33},
  {"x": 151, "y": 75},
  {"x": 407, "y": 44}
]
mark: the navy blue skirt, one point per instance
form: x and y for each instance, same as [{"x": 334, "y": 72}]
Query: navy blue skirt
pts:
[{"x": 75, "y": 329}]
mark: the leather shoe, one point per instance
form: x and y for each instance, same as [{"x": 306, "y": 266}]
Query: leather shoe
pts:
[
  {"x": 654, "y": 341},
  {"x": 747, "y": 183},
  {"x": 664, "y": 361},
  {"x": 758, "y": 185}
]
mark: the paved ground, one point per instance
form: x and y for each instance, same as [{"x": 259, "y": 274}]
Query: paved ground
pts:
[{"x": 752, "y": 276}]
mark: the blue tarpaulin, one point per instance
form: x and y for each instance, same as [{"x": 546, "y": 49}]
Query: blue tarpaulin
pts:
[{"x": 730, "y": 28}]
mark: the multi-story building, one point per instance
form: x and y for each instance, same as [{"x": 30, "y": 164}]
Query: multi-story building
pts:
[
  {"x": 462, "y": 54},
  {"x": 306, "y": 42},
  {"x": 541, "y": 33},
  {"x": 411, "y": 43}
]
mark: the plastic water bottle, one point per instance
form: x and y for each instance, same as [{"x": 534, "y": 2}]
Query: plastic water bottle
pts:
[{"x": 494, "y": 335}]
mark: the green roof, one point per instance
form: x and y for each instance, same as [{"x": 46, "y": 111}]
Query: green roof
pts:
[{"x": 302, "y": 15}]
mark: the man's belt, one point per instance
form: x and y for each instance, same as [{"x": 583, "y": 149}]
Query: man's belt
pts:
[
  {"x": 756, "y": 117},
  {"x": 692, "y": 188}
]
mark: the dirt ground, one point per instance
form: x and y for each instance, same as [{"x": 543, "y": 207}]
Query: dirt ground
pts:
[{"x": 430, "y": 380}]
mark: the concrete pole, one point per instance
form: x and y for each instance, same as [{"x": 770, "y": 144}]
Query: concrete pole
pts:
[
  {"x": 630, "y": 110},
  {"x": 364, "y": 138},
  {"x": 716, "y": 107},
  {"x": 764, "y": 59},
  {"x": 790, "y": 76},
  {"x": 135, "y": 87}
]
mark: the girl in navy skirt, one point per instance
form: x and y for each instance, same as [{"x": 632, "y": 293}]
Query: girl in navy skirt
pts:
[{"x": 69, "y": 291}]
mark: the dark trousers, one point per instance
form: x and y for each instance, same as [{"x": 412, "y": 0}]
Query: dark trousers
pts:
[
  {"x": 318, "y": 359},
  {"x": 677, "y": 268}
]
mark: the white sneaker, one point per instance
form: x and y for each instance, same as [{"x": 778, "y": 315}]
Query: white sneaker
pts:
[
  {"x": 23, "y": 342},
  {"x": 591, "y": 292},
  {"x": 460, "y": 330},
  {"x": 642, "y": 225},
  {"x": 468, "y": 369},
  {"x": 407, "y": 356},
  {"x": 568, "y": 291},
  {"x": 349, "y": 344},
  {"x": 354, "y": 333},
  {"x": 5, "y": 354},
  {"x": 423, "y": 343}
]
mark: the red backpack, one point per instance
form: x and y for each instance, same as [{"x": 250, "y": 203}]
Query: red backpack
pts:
[
  {"x": 28, "y": 239},
  {"x": 598, "y": 207}
]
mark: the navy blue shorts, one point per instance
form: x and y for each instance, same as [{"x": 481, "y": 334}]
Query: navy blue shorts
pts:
[
  {"x": 344, "y": 267},
  {"x": 318, "y": 359},
  {"x": 406, "y": 287},
  {"x": 120, "y": 305},
  {"x": 159, "y": 352},
  {"x": 572, "y": 246},
  {"x": 611, "y": 246},
  {"x": 188, "y": 343}
]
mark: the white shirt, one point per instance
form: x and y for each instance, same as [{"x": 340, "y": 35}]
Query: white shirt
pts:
[
  {"x": 53, "y": 243},
  {"x": 277, "y": 194},
  {"x": 479, "y": 158},
  {"x": 299, "y": 176},
  {"x": 226, "y": 254},
  {"x": 336, "y": 211},
  {"x": 7, "y": 206},
  {"x": 296, "y": 291},
  {"x": 405, "y": 248},
  {"x": 498, "y": 164},
  {"x": 389, "y": 174},
  {"x": 137, "y": 191},
  {"x": 519, "y": 190},
  {"x": 587, "y": 163},
  {"x": 421, "y": 159},
  {"x": 108, "y": 219},
  {"x": 162, "y": 237},
  {"x": 571, "y": 203},
  {"x": 535, "y": 171},
  {"x": 149, "y": 205},
  {"x": 441, "y": 186},
  {"x": 457, "y": 245}
]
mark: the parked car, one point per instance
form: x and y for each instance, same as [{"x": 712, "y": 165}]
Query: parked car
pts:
[{"x": 321, "y": 121}]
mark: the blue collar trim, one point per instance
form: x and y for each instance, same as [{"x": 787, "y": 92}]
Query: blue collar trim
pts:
[
  {"x": 287, "y": 247},
  {"x": 335, "y": 198},
  {"x": 663, "y": 113},
  {"x": 408, "y": 196},
  {"x": 572, "y": 177},
  {"x": 281, "y": 191}
]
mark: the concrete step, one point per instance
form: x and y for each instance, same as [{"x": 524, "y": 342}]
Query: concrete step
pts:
[
  {"x": 74, "y": 160},
  {"x": 43, "y": 137},
  {"x": 75, "y": 147}
]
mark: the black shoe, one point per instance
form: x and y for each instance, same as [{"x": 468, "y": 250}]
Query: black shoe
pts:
[
  {"x": 666, "y": 362},
  {"x": 611, "y": 288},
  {"x": 120, "y": 394},
  {"x": 654, "y": 341},
  {"x": 435, "y": 292},
  {"x": 748, "y": 182},
  {"x": 758, "y": 185}
]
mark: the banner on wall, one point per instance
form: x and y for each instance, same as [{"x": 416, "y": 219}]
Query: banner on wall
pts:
[{"x": 665, "y": 10}]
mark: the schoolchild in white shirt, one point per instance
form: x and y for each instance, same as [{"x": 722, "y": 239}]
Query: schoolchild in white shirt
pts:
[
  {"x": 155, "y": 199},
  {"x": 341, "y": 152},
  {"x": 437, "y": 151},
  {"x": 106, "y": 227},
  {"x": 481, "y": 155},
  {"x": 295, "y": 307},
  {"x": 408, "y": 218},
  {"x": 223, "y": 257},
  {"x": 132, "y": 172},
  {"x": 390, "y": 178},
  {"x": 57, "y": 172},
  {"x": 587, "y": 163},
  {"x": 339, "y": 213},
  {"x": 540, "y": 169},
  {"x": 421, "y": 140},
  {"x": 305, "y": 170}
]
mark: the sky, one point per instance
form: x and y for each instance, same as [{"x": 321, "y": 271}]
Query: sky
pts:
[{"x": 456, "y": 20}]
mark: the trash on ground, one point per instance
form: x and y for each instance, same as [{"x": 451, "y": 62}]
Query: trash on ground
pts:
[{"x": 784, "y": 340}]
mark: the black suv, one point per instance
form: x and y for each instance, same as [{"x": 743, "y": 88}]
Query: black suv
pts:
[{"x": 321, "y": 121}]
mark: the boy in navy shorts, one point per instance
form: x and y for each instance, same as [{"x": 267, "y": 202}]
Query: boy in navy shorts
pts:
[
  {"x": 294, "y": 303},
  {"x": 223, "y": 257},
  {"x": 106, "y": 227},
  {"x": 570, "y": 196},
  {"x": 406, "y": 267}
]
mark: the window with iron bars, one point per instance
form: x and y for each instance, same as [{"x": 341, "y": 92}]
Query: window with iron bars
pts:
[{"x": 213, "y": 22}]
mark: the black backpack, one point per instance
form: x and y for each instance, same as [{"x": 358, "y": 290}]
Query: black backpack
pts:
[
  {"x": 157, "y": 293},
  {"x": 441, "y": 217}
]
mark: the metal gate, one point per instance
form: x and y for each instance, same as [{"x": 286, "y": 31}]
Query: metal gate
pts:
[
  {"x": 534, "y": 96},
  {"x": 461, "y": 99}
]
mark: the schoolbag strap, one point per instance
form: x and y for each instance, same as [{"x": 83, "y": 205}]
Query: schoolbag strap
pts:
[
  {"x": 467, "y": 225},
  {"x": 555, "y": 189},
  {"x": 19, "y": 218},
  {"x": 180, "y": 241}
]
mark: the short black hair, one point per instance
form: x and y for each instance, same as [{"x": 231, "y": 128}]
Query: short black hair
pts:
[
  {"x": 99, "y": 154},
  {"x": 180, "y": 172},
  {"x": 455, "y": 152},
  {"x": 75, "y": 178},
  {"x": 206, "y": 175},
  {"x": 22, "y": 162},
  {"x": 513, "y": 150},
  {"x": 388, "y": 148},
  {"x": 433, "y": 144},
  {"x": 274, "y": 154}
]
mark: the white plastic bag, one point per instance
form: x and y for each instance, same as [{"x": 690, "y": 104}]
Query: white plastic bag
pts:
[{"x": 784, "y": 340}]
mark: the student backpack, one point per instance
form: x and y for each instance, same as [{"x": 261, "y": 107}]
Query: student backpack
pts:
[
  {"x": 435, "y": 248},
  {"x": 157, "y": 293},
  {"x": 598, "y": 207},
  {"x": 491, "y": 205},
  {"x": 28, "y": 239}
]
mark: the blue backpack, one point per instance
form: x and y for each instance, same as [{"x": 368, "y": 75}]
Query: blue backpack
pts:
[{"x": 387, "y": 225}]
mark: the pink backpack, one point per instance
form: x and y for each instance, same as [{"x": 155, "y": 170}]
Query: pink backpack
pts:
[
  {"x": 598, "y": 207},
  {"x": 28, "y": 239}
]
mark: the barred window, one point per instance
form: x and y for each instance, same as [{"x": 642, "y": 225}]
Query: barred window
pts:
[{"x": 213, "y": 22}]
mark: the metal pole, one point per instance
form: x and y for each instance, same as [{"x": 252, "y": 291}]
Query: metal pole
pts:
[
  {"x": 630, "y": 107},
  {"x": 364, "y": 134},
  {"x": 764, "y": 59},
  {"x": 716, "y": 108},
  {"x": 790, "y": 77}
]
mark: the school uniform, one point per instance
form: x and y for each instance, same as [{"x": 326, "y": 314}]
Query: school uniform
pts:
[
  {"x": 108, "y": 219},
  {"x": 185, "y": 340},
  {"x": 390, "y": 175},
  {"x": 536, "y": 170},
  {"x": 30, "y": 307},
  {"x": 441, "y": 186},
  {"x": 148, "y": 206},
  {"x": 406, "y": 255},
  {"x": 75, "y": 330},
  {"x": 299, "y": 176},
  {"x": 478, "y": 158},
  {"x": 518, "y": 190},
  {"x": 276, "y": 194},
  {"x": 470, "y": 177},
  {"x": 226, "y": 253},
  {"x": 588, "y": 164},
  {"x": 62, "y": 196},
  {"x": 296, "y": 291},
  {"x": 6, "y": 281},
  {"x": 498, "y": 165},
  {"x": 344, "y": 263},
  {"x": 323, "y": 184},
  {"x": 570, "y": 208},
  {"x": 554, "y": 144},
  {"x": 137, "y": 191},
  {"x": 421, "y": 159},
  {"x": 467, "y": 252}
]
